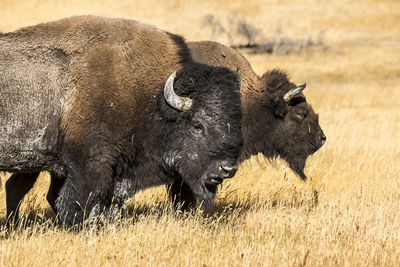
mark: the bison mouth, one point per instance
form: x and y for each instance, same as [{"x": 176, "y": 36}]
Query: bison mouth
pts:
[
  {"x": 213, "y": 181},
  {"x": 318, "y": 143},
  {"x": 314, "y": 148},
  {"x": 204, "y": 189},
  {"x": 223, "y": 172}
]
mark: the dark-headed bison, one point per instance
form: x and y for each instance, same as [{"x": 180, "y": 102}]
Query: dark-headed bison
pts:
[{"x": 93, "y": 100}]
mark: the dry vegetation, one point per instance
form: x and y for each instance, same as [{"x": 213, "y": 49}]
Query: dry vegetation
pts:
[{"x": 348, "y": 211}]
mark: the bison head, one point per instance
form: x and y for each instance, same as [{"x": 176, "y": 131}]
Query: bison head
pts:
[
  {"x": 203, "y": 109},
  {"x": 295, "y": 129}
]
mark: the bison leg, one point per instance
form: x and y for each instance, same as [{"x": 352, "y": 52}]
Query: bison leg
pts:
[
  {"x": 17, "y": 186},
  {"x": 181, "y": 195},
  {"x": 56, "y": 183},
  {"x": 87, "y": 191}
]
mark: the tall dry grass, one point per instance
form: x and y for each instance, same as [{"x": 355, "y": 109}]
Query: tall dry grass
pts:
[{"x": 346, "y": 214}]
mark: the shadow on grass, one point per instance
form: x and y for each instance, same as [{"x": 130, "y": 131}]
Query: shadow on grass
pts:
[
  {"x": 224, "y": 210},
  {"x": 27, "y": 223}
]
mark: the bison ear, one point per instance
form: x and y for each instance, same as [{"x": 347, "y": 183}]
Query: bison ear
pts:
[
  {"x": 280, "y": 108},
  {"x": 300, "y": 112}
]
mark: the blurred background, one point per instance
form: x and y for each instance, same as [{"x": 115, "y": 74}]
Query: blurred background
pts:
[{"x": 368, "y": 22}]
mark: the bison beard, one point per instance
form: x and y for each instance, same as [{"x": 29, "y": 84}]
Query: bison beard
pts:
[
  {"x": 297, "y": 165},
  {"x": 100, "y": 114}
]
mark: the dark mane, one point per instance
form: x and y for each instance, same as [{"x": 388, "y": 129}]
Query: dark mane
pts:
[{"x": 276, "y": 81}]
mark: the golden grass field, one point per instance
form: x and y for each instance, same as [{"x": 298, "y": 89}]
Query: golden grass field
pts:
[{"x": 346, "y": 214}]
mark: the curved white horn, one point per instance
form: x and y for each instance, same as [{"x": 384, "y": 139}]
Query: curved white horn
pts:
[
  {"x": 177, "y": 102},
  {"x": 295, "y": 91}
]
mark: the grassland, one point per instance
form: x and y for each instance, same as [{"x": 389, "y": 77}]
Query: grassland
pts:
[{"x": 346, "y": 214}]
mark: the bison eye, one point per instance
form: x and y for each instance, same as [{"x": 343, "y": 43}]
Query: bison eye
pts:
[
  {"x": 198, "y": 126},
  {"x": 301, "y": 116},
  {"x": 300, "y": 113}
]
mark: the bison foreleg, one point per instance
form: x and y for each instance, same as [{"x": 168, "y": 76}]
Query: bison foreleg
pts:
[
  {"x": 86, "y": 191},
  {"x": 56, "y": 183}
]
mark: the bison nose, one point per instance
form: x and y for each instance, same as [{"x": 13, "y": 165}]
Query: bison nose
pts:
[
  {"x": 323, "y": 138},
  {"x": 227, "y": 171}
]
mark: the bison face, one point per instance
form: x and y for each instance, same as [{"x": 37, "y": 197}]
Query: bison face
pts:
[
  {"x": 297, "y": 133},
  {"x": 207, "y": 137},
  {"x": 290, "y": 127},
  {"x": 301, "y": 136}
]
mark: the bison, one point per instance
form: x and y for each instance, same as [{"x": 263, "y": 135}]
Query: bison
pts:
[
  {"x": 277, "y": 120},
  {"x": 95, "y": 100}
]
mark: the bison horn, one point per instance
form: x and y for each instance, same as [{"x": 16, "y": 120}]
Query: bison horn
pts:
[
  {"x": 177, "y": 102},
  {"x": 292, "y": 93}
]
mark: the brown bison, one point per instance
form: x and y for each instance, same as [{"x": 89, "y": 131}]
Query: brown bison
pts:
[
  {"x": 277, "y": 120},
  {"x": 92, "y": 100}
]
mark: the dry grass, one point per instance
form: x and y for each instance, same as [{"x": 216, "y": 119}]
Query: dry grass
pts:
[{"x": 346, "y": 214}]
